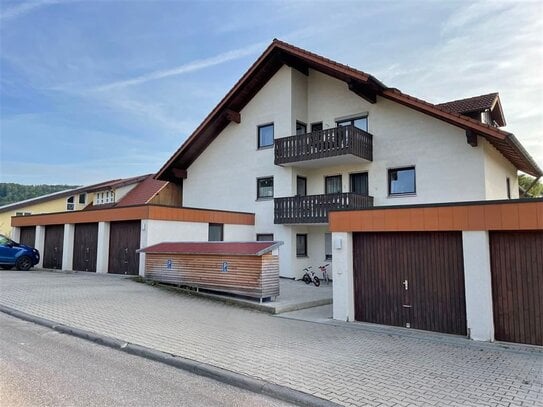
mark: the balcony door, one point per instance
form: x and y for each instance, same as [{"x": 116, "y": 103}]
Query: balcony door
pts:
[
  {"x": 301, "y": 186},
  {"x": 359, "y": 183}
]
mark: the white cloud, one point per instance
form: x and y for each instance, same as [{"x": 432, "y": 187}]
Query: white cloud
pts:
[
  {"x": 24, "y": 8},
  {"x": 192, "y": 66}
]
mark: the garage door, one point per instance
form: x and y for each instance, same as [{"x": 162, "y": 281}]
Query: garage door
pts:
[
  {"x": 85, "y": 246},
  {"x": 413, "y": 280},
  {"x": 28, "y": 236},
  {"x": 124, "y": 240},
  {"x": 52, "y": 252},
  {"x": 516, "y": 260}
]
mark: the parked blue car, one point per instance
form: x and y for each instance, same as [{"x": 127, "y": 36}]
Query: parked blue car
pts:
[{"x": 15, "y": 254}]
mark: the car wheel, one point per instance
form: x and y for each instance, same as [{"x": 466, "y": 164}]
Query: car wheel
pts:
[
  {"x": 23, "y": 263},
  {"x": 7, "y": 267}
]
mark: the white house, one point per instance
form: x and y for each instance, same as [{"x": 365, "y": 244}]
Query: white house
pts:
[{"x": 300, "y": 134}]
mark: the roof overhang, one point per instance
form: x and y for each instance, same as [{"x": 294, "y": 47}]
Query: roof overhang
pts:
[{"x": 366, "y": 86}]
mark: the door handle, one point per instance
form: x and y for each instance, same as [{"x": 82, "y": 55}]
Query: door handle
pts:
[
  {"x": 407, "y": 306},
  {"x": 405, "y": 284}
]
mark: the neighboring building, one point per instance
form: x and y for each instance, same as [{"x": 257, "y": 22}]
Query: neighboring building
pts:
[
  {"x": 108, "y": 192},
  {"x": 123, "y": 216},
  {"x": 300, "y": 135}
]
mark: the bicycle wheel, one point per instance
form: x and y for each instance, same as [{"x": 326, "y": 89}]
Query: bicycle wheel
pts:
[
  {"x": 306, "y": 278},
  {"x": 316, "y": 281}
]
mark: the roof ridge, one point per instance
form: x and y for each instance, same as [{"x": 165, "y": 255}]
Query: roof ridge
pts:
[{"x": 468, "y": 98}]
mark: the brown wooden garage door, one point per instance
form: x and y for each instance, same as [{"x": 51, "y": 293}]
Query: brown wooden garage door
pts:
[
  {"x": 85, "y": 246},
  {"x": 28, "y": 236},
  {"x": 52, "y": 252},
  {"x": 516, "y": 260},
  {"x": 410, "y": 279},
  {"x": 124, "y": 240}
]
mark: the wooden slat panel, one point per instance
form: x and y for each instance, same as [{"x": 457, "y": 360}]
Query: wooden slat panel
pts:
[
  {"x": 432, "y": 264},
  {"x": 137, "y": 213},
  {"x": 85, "y": 247},
  {"x": 28, "y": 236},
  {"x": 497, "y": 215},
  {"x": 124, "y": 240},
  {"x": 52, "y": 252},
  {"x": 517, "y": 286},
  {"x": 252, "y": 276}
]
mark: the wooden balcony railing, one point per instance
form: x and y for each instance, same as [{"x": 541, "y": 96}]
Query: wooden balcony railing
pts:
[
  {"x": 314, "y": 208},
  {"x": 333, "y": 142}
]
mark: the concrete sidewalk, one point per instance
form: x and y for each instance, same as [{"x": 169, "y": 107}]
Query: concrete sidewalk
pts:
[{"x": 353, "y": 367}]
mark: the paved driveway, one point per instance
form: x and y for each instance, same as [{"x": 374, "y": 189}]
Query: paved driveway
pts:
[{"x": 350, "y": 366}]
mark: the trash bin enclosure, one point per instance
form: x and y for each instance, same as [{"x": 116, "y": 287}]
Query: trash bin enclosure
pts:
[{"x": 244, "y": 268}]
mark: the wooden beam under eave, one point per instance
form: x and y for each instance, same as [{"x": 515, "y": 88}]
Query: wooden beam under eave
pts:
[
  {"x": 295, "y": 63},
  {"x": 471, "y": 138},
  {"x": 364, "y": 92},
  {"x": 233, "y": 116},
  {"x": 179, "y": 173}
]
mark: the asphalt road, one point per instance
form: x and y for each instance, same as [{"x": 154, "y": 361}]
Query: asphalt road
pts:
[{"x": 39, "y": 366}]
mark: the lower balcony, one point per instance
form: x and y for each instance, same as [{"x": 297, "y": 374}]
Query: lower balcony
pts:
[{"x": 314, "y": 208}]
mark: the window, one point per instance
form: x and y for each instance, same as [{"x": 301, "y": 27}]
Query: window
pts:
[
  {"x": 215, "y": 232},
  {"x": 332, "y": 184},
  {"x": 359, "y": 122},
  {"x": 316, "y": 126},
  {"x": 508, "y": 185},
  {"x": 301, "y": 245},
  {"x": 264, "y": 188},
  {"x": 264, "y": 237},
  {"x": 301, "y": 186},
  {"x": 70, "y": 204},
  {"x": 265, "y": 135},
  {"x": 301, "y": 128},
  {"x": 359, "y": 183},
  {"x": 327, "y": 246},
  {"x": 401, "y": 181},
  {"x": 82, "y": 198},
  {"x": 105, "y": 197}
]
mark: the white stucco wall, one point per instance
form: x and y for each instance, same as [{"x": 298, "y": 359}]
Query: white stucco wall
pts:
[
  {"x": 478, "y": 284},
  {"x": 342, "y": 253},
  {"x": 497, "y": 170},
  {"x": 224, "y": 176}
]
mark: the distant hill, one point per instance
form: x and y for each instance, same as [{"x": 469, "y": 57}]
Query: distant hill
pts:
[{"x": 10, "y": 193}]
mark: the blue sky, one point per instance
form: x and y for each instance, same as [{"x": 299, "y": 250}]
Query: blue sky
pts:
[{"x": 94, "y": 90}]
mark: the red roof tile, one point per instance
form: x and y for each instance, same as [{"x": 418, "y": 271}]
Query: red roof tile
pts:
[
  {"x": 225, "y": 248},
  {"x": 143, "y": 192},
  {"x": 472, "y": 104}
]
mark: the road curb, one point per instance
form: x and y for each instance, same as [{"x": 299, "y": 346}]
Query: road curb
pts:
[{"x": 252, "y": 384}]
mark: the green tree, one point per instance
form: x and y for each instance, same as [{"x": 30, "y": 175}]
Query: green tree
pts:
[
  {"x": 11, "y": 193},
  {"x": 525, "y": 181}
]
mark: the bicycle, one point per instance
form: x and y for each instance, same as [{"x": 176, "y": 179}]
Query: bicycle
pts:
[
  {"x": 310, "y": 276},
  {"x": 325, "y": 273}
]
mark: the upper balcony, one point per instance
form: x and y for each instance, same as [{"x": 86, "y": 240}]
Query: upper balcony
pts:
[{"x": 349, "y": 141}]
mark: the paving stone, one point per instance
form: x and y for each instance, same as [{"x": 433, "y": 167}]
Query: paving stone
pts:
[{"x": 352, "y": 366}]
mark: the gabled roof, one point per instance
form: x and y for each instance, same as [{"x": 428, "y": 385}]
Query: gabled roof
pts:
[
  {"x": 117, "y": 183},
  {"x": 111, "y": 184},
  {"x": 366, "y": 86},
  {"x": 476, "y": 104},
  {"x": 217, "y": 248},
  {"x": 143, "y": 193}
]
